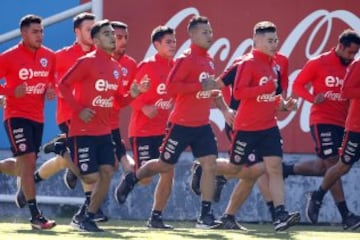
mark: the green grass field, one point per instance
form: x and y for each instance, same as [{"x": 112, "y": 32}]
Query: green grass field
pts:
[{"x": 132, "y": 230}]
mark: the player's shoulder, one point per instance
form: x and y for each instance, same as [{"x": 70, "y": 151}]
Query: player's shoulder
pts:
[
  {"x": 47, "y": 50},
  {"x": 129, "y": 59}
]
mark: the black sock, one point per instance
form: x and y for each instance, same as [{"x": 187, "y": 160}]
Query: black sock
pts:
[
  {"x": 205, "y": 208},
  {"x": 90, "y": 215},
  {"x": 34, "y": 210},
  {"x": 87, "y": 198},
  {"x": 271, "y": 207},
  {"x": 319, "y": 194},
  {"x": 288, "y": 169},
  {"x": 344, "y": 211},
  {"x": 279, "y": 209},
  {"x": 155, "y": 214},
  {"x": 229, "y": 216},
  {"x": 37, "y": 177}
]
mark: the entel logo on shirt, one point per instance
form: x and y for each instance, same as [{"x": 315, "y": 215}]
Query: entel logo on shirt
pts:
[
  {"x": 331, "y": 81},
  {"x": 26, "y": 74},
  {"x": 268, "y": 97},
  {"x": 161, "y": 89},
  {"x": 203, "y": 76},
  {"x": 102, "y": 85}
]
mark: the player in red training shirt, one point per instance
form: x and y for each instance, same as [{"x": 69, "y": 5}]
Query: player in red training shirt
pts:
[
  {"x": 128, "y": 70},
  {"x": 150, "y": 113},
  {"x": 255, "y": 127},
  {"x": 29, "y": 69},
  {"x": 226, "y": 79},
  {"x": 90, "y": 87},
  {"x": 65, "y": 58},
  {"x": 328, "y": 113},
  {"x": 192, "y": 85}
]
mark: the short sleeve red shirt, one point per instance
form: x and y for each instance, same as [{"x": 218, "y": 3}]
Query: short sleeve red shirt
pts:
[{"x": 19, "y": 65}]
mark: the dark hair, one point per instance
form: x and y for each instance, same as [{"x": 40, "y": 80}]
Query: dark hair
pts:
[
  {"x": 349, "y": 36},
  {"x": 26, "y": 20},
  {"x": 264, "y": 27},
  {"x": 118, "y": 24},
  {"x": 95, "y": 29},
  {"x": 159, "y": 32},
  {"x": 78, "y": 19},
  {"x": 194, "y": 21}
]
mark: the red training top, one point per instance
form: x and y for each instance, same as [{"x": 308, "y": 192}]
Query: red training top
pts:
[
  {"x": 19, "y": 65},
  {"x": 325, "y": 73},
  {"x": 128, "y": 70},
  {"x": 65, "y": 58},
  {"x": 93, "y": 82},
  {"x": 351, "y": 90},
  {"x": 192, "y": 105},
  {"x": 254, "y": 86},
  {"x": 157, "y": 68}
]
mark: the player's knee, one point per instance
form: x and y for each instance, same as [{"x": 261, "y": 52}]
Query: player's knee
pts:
[{"x": 90, "y": 178}]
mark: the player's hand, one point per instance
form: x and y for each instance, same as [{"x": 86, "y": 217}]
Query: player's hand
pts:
[
  {"x": 137, "y": 88},
  {"x": 87, "y": 114},
  {"x": 50, "y": 93},
  {"x": 2, "y": 101},
  {"x": 144, "y": 84},
  {"x": 150, "y": 111},
  {"x": 319, "y": 98},
  {"x": 20, "y": 91},
  {"x": 208, "y": 83},
  {"x": 290, "y": 104},
  {"x": 229, "y": 116}
]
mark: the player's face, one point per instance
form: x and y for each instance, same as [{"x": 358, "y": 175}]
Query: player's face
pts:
[
  {"x": 106, "y": 39},
  {"x": 347, "y": 54},
  {"x": 122, "y": 37},
  {"x": 84, "y": 36},
  {"x": 267, "y": 43},
  {"x": 167, "y": 46},
  {"x": 33, "y": 35},
  {"x": 202, "y": 35}
]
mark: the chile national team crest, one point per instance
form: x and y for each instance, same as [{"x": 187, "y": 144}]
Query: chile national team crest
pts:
[
  {"x": 116, "y": 74},
  {"x": 43, "y": 62}
]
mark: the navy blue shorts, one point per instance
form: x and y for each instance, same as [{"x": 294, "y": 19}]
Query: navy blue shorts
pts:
[
  {"x": 89, "y": 152},
  {"x": 327, "y": 138},
  {"x": 120, "y": 149},
  {"x": 24, "y": 135},
  {"x": 249, "y": 147},
  {"x": 350, "y": 148},
  {"x": 145, "y": 148},
  {"x": 201, "y": 140}
]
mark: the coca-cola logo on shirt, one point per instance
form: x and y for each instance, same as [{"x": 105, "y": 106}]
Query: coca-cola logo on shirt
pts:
[
  {"x": 37, "y": 89},
  {"x": 100, "y": 101},
  {"x": 164, "y": 104},
  {"x": 28, "y": 73}
]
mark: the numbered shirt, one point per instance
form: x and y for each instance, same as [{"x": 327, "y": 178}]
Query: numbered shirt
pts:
[
  {"x": 19, "y": 65},
  {"x": 192, "y": 105},
  {"x": 255, "y": 88},
  {"x": 325, "y": 74},
  {"x": 93, "y": 82},
  {"x": 351, "y": 90},
  {"x": 157, "y": 69},
  {"x": 65, "y": 58},
  {"x": 128, "y": 70}
]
